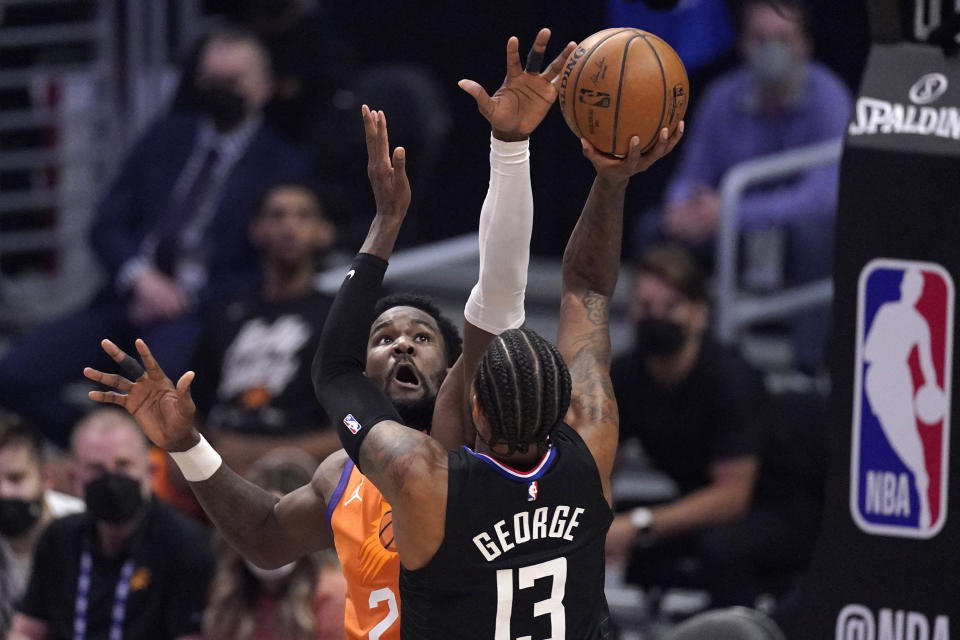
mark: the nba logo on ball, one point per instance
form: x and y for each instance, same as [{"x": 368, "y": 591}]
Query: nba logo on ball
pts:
[{"x": 901, "y": 401}]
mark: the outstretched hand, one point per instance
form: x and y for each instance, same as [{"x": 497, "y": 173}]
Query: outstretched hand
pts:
[
  {"x": 526, "y": 95},
  {"x": 621, "y": 169},
  {"x": 387, "y": 173},
  {"x": 165, "y": 412}
]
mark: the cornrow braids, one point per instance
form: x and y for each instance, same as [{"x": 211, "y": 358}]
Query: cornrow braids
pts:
[{"x": 523, "y": 388}]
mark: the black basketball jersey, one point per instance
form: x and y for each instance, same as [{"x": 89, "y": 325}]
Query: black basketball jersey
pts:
[{"x": 522, "y": 553}]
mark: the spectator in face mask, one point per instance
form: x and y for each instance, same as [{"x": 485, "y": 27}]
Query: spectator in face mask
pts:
[
  {"x": 777, "y": 99},
  {"x": 301, "y": 600},
  {"x": 27, "y": 505},
  {"x": 697, "y": 411},
  {"x": 171, "y": 233},
  {"x": 131, "y": 566}
]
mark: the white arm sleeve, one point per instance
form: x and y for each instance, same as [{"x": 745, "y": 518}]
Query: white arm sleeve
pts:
[{"x": 506, "y": 224}]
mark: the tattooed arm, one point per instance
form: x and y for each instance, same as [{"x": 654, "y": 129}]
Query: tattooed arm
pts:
[{"x": 590, "y": 266}]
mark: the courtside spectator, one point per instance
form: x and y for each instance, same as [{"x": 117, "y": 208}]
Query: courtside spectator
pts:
[
  {"x": 698, "y": 412},
  {"x": 301, "y": 600},
  {"x": 779, "y": 98},
  {"x": 27, "y": 505},
  {"x": 171, "y": 233},
  {"x": 131, "y": 567}
]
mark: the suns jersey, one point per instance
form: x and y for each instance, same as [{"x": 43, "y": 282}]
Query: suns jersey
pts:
[
  {"x": 522, "y": 554},
  {"x": 358, "y": 513}
]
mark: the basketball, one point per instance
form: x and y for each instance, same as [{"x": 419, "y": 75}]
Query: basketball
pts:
[
  {"x": 386, "y": 531},
  {"x": 623, "y": 82},
  {"x": 930, "y": 404}
]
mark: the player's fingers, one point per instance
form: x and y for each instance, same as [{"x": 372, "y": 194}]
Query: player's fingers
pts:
[
  {"x": 112, "y": 349},
  {"x": 149, "y": 362},
  {"x": 400, "y": 163},
  {"x": 369, "y": 126},
  {"x": 535, "y": 56},
  {"x": 484, "y": 102},
  {"x": 588, "y": 149},
  {"x": 675, "y": 138},
  {"x": 383, "y": 140},
  {"x": 108, "y": 397},
  {"x": 552, "y": 72},
  {"x": 183, "y": 384},
  {"x": 513, "y": 57},
  {"x": 109, "y": 379}
]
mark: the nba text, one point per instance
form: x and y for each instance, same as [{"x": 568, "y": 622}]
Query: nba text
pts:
[
  {"x": 528, "y": 525},
  {"x": 888, "y": 494},
  {"x": 857, "y": 622}
]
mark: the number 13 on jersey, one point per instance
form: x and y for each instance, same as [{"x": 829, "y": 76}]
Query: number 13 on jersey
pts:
[{"x": 556, "y": 570}]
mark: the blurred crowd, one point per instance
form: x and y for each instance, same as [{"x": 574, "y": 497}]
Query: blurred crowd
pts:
[{"x": 221, "y": 214}]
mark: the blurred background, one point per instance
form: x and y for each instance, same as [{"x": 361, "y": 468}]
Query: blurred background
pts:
[{"x": 82, "y": 81}]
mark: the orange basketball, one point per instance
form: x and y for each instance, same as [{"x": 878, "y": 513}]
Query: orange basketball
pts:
[
  {"x": 621, "y": 83},
  {"x": 386, "y": 531}
]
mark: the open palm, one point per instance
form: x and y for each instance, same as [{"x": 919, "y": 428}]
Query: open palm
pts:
[
  {"x": 163, "y": 410},
  {"x": 526, "y": 95}
]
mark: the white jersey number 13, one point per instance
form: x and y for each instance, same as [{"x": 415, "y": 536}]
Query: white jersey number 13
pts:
[{"x": 555, "y": 569}]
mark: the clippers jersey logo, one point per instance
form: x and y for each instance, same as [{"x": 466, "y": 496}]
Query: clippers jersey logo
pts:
[
  {"x": 352, "y": 424},
  {"x": 533, "y": 490},
  {"x": 901, "y": 406}
]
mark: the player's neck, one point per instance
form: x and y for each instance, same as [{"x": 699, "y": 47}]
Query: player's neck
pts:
[
  {"x": 517, "y": 460},
  {"x": 284, "y": 281}
]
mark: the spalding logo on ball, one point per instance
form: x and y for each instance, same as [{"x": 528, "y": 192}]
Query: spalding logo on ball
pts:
[{"x": 621, "y": 83}]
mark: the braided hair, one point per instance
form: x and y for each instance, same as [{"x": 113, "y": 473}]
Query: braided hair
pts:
[{"x": 523, "y": 388}]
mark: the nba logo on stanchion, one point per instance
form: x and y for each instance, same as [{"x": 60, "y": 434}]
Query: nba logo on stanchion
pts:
[{"x": 901, "y": 404}]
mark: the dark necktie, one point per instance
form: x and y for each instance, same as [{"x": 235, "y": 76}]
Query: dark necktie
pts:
[{"x": 181, "y": 212}]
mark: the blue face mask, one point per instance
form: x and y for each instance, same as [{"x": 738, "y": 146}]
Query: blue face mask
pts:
[{"x": 773, "y": 63}]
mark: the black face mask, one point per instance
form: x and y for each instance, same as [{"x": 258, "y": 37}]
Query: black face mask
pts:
[
  {"x": 659, "y": 337},
  {"x": 113, "y": 497},
  {"x": 225, "y": 106},
  {"x": 18, "y": 515}
]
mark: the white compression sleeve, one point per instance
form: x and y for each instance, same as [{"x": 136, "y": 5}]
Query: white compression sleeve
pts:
[{"x": 506, "y": 224}]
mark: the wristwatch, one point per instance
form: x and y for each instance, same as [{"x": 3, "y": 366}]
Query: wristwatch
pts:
[{"x": 641, "y": 518}]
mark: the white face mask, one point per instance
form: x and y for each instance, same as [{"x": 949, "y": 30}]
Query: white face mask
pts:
[{"x": 270, "y": 575}]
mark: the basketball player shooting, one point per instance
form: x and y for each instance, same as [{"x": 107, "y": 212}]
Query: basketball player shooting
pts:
[
  {"x": 271, "y": 532},
  {"x": 488, "y": 536}
]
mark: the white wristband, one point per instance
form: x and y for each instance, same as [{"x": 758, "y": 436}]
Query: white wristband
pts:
[
  {"x": 641, "y": 518},
  {"x": 199, "y": 462}
]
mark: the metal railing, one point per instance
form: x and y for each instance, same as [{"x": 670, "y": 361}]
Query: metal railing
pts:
[
  {"x": 411, "y": 261},
  {"x": 735, "y": 308}
]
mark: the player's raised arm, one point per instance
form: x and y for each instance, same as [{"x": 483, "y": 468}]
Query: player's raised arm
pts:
[
  {"x": 591, "y": 263},
  {"x": 506, "y": 223},
  {"x": 408, "y": 467},
  {"x": 267, "y": 531}
]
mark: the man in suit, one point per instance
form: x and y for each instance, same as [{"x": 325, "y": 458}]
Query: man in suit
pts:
[{"x": 171, "y": 232}]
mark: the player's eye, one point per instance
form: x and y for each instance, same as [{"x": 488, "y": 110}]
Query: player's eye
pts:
[
  {"x": 384, "y": 339},
  {"x": 424, "y": 337}
]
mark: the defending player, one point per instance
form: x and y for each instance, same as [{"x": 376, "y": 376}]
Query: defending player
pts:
[
  {"x": 488, "y": 537},
  {"x": 405, "y": 340}
]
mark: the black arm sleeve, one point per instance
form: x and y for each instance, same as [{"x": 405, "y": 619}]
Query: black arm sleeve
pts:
[{"x": 355, "y": 405}]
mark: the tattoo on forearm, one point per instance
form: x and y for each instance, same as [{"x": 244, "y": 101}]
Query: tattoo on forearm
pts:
[{"x": 597, "y": 306}]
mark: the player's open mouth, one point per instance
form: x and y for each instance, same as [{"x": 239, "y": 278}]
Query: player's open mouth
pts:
[{"x": 406, "y": 376}]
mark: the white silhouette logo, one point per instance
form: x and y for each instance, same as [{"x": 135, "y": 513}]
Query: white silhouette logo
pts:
[
  {"x": 356, "y": 493},
  {"x": 901, "y": 398}
]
